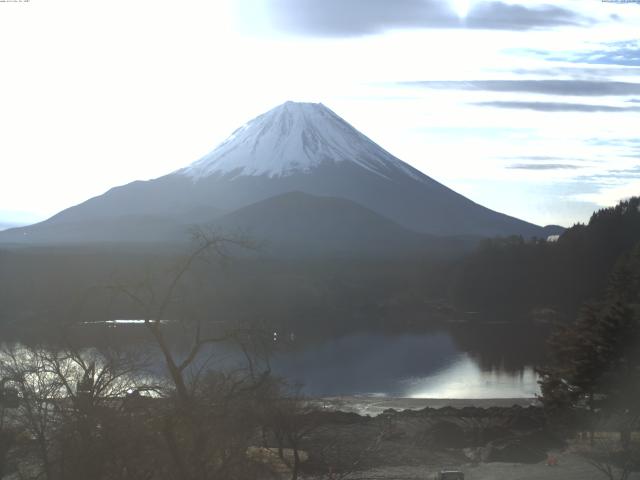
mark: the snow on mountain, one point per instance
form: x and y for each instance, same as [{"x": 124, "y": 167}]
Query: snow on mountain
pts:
[{"x": 294, "y": 138}]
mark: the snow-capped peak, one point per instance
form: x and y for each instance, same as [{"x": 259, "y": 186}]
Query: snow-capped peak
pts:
[{"x": 293, "y": 138}]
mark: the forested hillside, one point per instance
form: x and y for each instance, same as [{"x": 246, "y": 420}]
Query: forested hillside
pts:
[
  {"x": 506, "y": 278},
  {"x": 511, "y": 275}
]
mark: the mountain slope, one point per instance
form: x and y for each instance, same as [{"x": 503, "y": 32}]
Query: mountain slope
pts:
[
  {"x": 134, "y": 228},
  {"x": 296, "y": 223},
  {"x": 294, "y": 147}
]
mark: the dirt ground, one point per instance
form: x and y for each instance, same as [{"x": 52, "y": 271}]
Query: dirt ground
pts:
[
  {"x": 402, "y": 455},
  {"x": 570, "y": 467}
]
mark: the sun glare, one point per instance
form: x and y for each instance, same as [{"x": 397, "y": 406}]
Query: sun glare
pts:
[{"x": 461, "y": 7}]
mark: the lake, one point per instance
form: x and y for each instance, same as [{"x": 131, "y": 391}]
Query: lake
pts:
[
  {"x": 453, "y": 361},
  {"x": 439, "y": 364}
]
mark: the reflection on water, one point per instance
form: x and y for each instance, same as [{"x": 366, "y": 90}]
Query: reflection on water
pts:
[
  {"x": 428, "y": 365},
  {"x": 124, "y": 322},
  {"x": 465, "y": 379},
  {"x": 462, "y": 361}
]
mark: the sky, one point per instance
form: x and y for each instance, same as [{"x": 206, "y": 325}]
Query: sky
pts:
[{"x": 529, "y": 108}]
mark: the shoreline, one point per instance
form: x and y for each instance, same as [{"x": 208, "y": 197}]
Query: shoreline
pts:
[{"x": 374, "y": 406}]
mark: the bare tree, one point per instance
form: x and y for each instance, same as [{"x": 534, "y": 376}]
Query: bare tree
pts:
[
  {"x": 608, "y": 457},
  {"x": 291, "y": 419},
  {"x": 67, "y": 402},
  {"x": 295, "y": 421},
  {"x": 342, "y": 465},
  {"x": 208, "y": 417}
]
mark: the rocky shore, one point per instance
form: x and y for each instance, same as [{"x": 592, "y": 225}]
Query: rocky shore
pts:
[
  {"x": 429, "y": 438},
  {"x": 374, "y": 405},
  {"x": 486, "y": 439}
]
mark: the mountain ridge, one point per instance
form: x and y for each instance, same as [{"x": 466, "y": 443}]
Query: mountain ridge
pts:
[{"x": 292, "y": 148}]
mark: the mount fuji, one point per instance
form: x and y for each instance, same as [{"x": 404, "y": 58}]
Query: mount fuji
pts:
[{"x": 300, "y": 148}]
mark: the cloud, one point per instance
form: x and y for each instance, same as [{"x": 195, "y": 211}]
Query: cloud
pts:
[
  {"x": 614, "y": 53},
  {"x": 580, "y": 72},
  {"x": 616, "y": 142},
  {"x": 618, "y": 174},
  {"x": 544, "y": 162},
  {"x": 624, "y": 147},
  {"x": 543, "y": 166},
  {"x": 503, "y": 16},
  {"x": 545, "y": 87},
  {"x": 556, "y": 106},
  {"x": 541, "y": 158},
  {"x": 620, "y": 53},
  {"x": 625, "y": 174},
  {"x": 344, "y": 18}
]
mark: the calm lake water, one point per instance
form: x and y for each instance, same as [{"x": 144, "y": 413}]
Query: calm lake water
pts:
[
  {"x": 451, "y": 361},
  {"x": 427, "y": 365}
]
